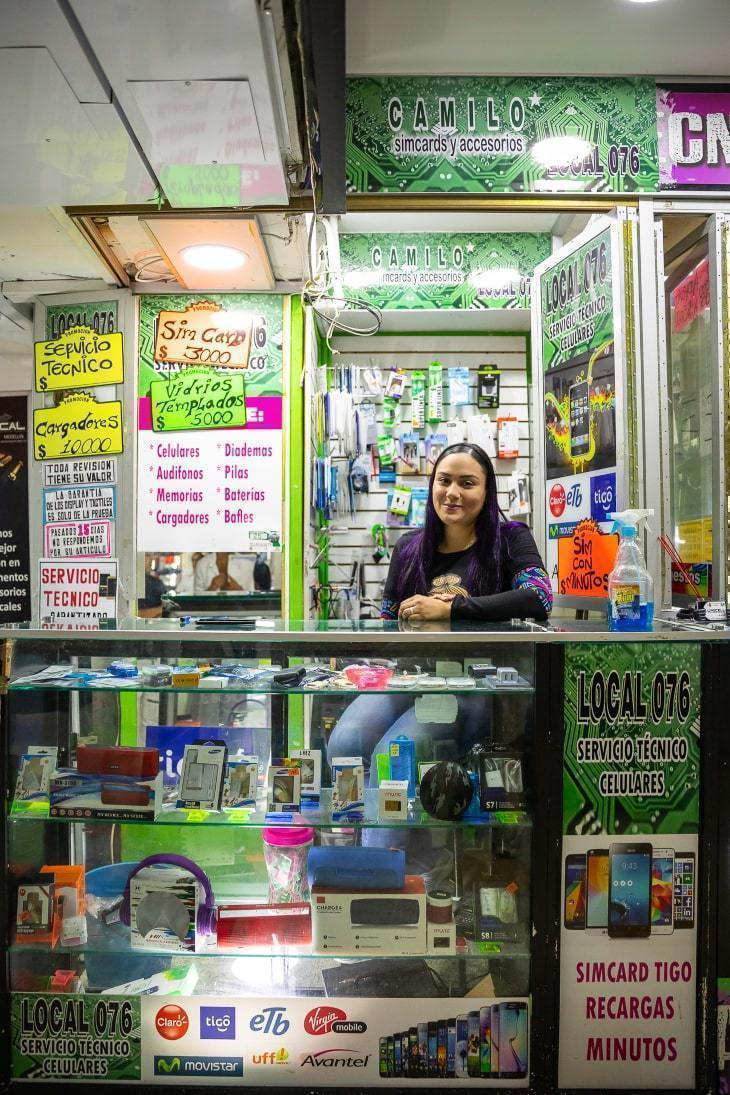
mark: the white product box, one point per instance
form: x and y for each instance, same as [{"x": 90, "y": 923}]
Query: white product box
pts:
[
  {"x": 202, "y": 776},
  {"x": 391, "y": 922},
  {"x": 441, "y": 938},
  {"x": 163, "y": 904},
  {"x": 348, "y": 785},
  {"x": 392, "y": 799},
  {"x": 310, "y": 762},
  {"x": 239, "y": 789},
  {"x": 284, "y": 793}
]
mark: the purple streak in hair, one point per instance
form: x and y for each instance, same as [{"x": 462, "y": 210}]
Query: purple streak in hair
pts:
[{"x": 484, "y": 572}]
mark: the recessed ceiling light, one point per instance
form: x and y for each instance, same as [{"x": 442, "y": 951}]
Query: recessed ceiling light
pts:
[
  {"x": 642, "y": 1},
  {"x": 213, "y": 256}
]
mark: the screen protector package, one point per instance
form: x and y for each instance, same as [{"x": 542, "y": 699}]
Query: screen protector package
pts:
[
  {"x": 435, "y": 393},
  {"x": 501, "y": 780},
  {"x": 458, "y": 386},
  {"x": 418, "y": 399}
]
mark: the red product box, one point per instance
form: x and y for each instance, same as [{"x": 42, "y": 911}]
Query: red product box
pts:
[{"x": 117, "y": 760}]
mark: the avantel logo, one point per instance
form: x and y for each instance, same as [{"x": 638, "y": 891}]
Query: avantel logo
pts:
[
  {"x": 218, "y": 1023},
  {"x": 336, "y": 1058},
  {"x": 198, "y": 1066},
  {"x": 603, "y": 496}
]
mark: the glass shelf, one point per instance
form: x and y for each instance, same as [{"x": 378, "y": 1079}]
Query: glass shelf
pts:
[
  {"x": 119, "y": 946},
  {"x": 524, "y": 689},
  {"x": 418, "y": 819}
]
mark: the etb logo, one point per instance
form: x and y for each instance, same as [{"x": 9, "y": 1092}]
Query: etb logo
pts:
[
  {"x": 603, "y": 496},
  {"x": 270, "y": 1021},
  {"x": 218, "y": 1022}
]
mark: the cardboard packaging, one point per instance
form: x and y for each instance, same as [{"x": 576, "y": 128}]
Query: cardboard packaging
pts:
[
  {"x": 350, "y": 922},
  {"x": 164, "y": 910},
  {"x": 113, "y": 798},
  {"x": 393, "y": 799}
]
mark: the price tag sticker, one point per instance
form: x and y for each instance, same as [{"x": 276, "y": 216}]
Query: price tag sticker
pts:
[
  {"x": 197, "y": 815},
  {"x": 489, "y": 948}
]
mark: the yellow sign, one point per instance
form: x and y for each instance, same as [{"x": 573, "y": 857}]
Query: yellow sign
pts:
[
  {"x": 79, "y": 358},
  {"x": 694, "y": 541},
  {"x": 79, "y": 426},
  {"x": 204, "y": 334}
]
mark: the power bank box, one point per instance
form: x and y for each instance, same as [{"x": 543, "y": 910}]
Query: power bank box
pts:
[
  {"x": 33, "y": 785},
  {"x": 202, "y": 776},
  {"x": 310, "y": 764},
  {"x": 163, "y": 909},
  {"x": 239, "y": 789},
  {"x": 392, "y": 799},
  {"x": 84, "y": 795},
  {"x": 361, "y": 922},
  {"x": 284, "y": 789}
]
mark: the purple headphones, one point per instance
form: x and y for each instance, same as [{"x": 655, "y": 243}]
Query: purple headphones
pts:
[{"x": 207, "y": 913}]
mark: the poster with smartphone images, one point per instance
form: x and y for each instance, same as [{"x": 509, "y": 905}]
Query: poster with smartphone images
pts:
[
  {"x": 578, "y": 325},
  {"x": 628, "y": 952},
  {"x": 337, "y": 1041}
]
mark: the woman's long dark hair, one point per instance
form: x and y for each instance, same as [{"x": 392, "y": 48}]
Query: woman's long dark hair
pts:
[{"x": 484, "y": 572}]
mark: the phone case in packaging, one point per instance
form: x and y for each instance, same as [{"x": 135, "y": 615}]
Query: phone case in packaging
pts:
[
  {"x": 435, "y": 393},
  {"x": 501, "y": 780}
]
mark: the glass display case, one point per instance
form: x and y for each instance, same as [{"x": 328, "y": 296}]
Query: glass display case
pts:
[{"x": 285, "y": 834}]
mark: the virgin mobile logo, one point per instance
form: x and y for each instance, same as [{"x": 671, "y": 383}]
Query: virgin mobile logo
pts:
[{"x": 326, "y": 1020}]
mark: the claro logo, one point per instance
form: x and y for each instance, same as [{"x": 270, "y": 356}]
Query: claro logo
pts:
[
  {"x": 327, "y": 1020},
  {"x": 557, "y": 500},
  {"x": 172, "y": 1022}
]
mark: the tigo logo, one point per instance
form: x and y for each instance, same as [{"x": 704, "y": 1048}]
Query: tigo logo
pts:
[
  {"x": 198, "y": 1066},
  {"x": 603, "y": 496},
  {"x": 272, "y": 1057},
  {"x": 218, "y": 1023},
  {"x": 557, "y": 500},
  {"x": 172, "y": 1022},
  {"x": 320, "y": 1020}
]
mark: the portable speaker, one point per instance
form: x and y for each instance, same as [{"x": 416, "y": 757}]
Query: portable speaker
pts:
[
  {"x": 357, "y": 868},
  {"x": 384, "y": 912},
  {"x": 117, "y": 760}
]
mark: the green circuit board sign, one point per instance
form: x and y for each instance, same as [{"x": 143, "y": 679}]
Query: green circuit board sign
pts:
[
  {"x": 632, "y": 738},
  {"x": 500, "y": 135}
]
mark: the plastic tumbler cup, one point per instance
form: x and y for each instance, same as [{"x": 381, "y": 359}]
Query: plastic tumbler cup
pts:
[{"x": 285, "y": 853}]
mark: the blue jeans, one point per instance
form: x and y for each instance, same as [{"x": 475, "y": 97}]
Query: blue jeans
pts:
[
  {"x": 366, "y": 728},
  {"x": 370, "y": 723}
]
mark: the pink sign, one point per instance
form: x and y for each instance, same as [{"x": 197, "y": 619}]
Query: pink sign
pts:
[
  {"x": 691, "y": 296},
  {"x": 694, "y": 138}
]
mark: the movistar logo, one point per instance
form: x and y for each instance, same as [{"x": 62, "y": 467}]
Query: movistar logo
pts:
[{"x": 168, "y": 1064}]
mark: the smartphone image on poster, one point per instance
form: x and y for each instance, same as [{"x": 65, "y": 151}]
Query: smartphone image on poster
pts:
[
  {"x": 442, "y": 1047},
  {"x": 397, "y": 1059},
  {"x": 405, "y": 1055},
  {"x": 579, "y": 410},
  {"x": 462, "y": 1035},
  {"x": 472, "y": 1045},
  {"x": 391, "y": 1056},
  {"x": 684, "y": 890},
  {"x": 433, "y": 1043},
  {"x": 597, "y": 890},
  {"x": 662, "y": 891},
  {"x": 422, "y": 1049},
  {"x": 629, "y": 903},
  {"x": 485, "y": 1040},
  {"x": 575, "y": 891},
  {"x": 413, "y": 1063},
  {"x": 494, "y": 1037},
  {"x": 451, "y": 1048},
  {"x": 383, "y": 1057},
  {"x": 513, "y": 1041}
]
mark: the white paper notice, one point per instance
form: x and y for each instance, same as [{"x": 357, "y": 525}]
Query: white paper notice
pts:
[
  {"x": 79, "y": 504},
  {"x": 211, "y": 491},
  {"x": 77, "y": 595},
  {"x": 68, "y": 473},
  {"x": 81, "y": 539}
]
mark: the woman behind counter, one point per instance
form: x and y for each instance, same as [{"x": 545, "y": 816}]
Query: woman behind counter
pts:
[{"x": 468, "y": 563}]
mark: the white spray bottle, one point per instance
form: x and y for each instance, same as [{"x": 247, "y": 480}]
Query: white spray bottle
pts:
[{"x": 630, "y": 586}]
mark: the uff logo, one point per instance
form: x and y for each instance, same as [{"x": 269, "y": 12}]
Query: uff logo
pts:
[
  {"x": 603, "y": 496},
  {"x": 218, "y": 1022}
]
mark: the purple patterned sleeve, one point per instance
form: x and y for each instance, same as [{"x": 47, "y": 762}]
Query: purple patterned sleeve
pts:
[{"x": 536, "y": 579}]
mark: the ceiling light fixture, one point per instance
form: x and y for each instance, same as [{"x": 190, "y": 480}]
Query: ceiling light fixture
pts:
[
  {"x": 561, "y": 151},
  {"x": 213, "y": 256},
  {"x": 642, "y": 1}
]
